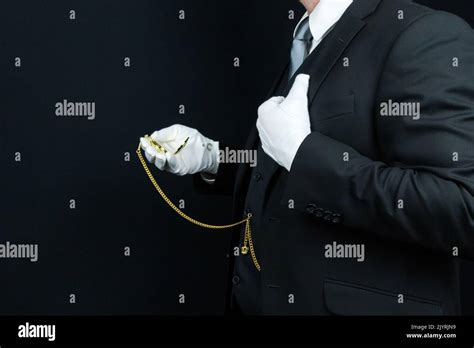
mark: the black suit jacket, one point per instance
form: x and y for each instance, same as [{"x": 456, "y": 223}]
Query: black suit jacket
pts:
[{"x": 401, "y": 187}]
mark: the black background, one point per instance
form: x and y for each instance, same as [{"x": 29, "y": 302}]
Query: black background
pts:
[{"x": 173, "y": 62}]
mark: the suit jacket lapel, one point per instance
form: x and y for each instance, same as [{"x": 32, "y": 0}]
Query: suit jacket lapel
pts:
[{"x": 320, "y": 62}]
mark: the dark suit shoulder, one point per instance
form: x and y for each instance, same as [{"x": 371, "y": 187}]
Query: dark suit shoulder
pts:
[
  {"x": 436, "y": 32},
  {"x": 396, "y": 15},
  {"x": 440, "y": 23},
  {"x": 403, "y": 19}
]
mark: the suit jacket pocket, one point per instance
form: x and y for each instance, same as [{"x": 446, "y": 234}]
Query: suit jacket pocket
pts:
[
  {"x": 343, "y": 298},
  {"x": 329, "y": 109}
]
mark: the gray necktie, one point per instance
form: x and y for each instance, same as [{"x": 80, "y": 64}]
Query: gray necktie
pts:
[{"x": 301, "y": 46}]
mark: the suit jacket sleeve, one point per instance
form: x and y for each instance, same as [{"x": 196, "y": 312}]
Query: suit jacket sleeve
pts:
[{"x": 421, "y": 188}]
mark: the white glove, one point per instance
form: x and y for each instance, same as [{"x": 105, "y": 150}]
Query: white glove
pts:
[
  {"x": 283, "y": 124},
  {"x": 199, "y": 155}
]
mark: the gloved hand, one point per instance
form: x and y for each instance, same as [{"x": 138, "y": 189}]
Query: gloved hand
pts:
[
  {"x": 283, "y": 124},
  {"x": 199, "y": 155}
]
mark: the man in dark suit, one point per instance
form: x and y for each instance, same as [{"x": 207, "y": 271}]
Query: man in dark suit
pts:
[{"x": 362, "y": 201}]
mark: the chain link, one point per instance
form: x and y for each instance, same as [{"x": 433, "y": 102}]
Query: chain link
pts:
[{"x": 248, "y": 232}]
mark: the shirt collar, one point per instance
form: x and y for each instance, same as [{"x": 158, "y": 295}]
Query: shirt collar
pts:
[{"x": 324, "y": 17}]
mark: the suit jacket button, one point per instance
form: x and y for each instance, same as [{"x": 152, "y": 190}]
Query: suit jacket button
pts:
[
  {"x": 311, "y": 208},
  {"x": 258, "y": 176},
  {"x": 235, "y": 280},
  {"x": 327, "y": 215},
  {"x": 337, "y": 218},
  {"x": 319, "y": 213}
]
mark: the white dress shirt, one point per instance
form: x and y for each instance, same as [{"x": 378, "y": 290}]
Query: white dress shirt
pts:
[{"x": 323, "y": 19}]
